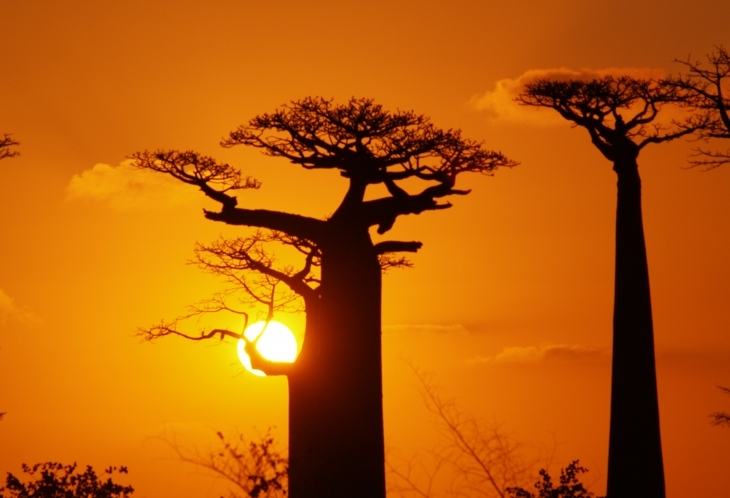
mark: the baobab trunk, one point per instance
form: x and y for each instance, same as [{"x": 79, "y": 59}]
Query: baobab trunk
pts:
[
  {"x": 635, "y": 468},
  {"x": 335, "y": 393}
]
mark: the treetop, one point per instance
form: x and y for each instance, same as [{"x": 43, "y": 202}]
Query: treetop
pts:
[
  {"x": 364, "y": 141},
  {"x": 613, "y": 108}
]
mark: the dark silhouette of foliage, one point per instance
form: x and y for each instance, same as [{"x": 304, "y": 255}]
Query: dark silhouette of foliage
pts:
[
  {"x": 721, "y": 419},
  {"x": 6, "y": 142},
  {"x": 256, "y": 468},
  {"x": 335, "y": 385},
  {"x": 55, "y": 480},
  {"x": 620, "y": 115},
  {"x": 708, "y": 87},
  {"x": 570, "y": 486}
]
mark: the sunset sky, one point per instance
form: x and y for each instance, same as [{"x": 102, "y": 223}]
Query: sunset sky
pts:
[{"x": 509, "y": 304}]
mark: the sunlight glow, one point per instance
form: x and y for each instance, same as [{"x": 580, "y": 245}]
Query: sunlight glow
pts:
[{"x": 276, "y": 344}]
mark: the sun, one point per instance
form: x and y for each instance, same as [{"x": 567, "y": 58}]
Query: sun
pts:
[{"x": 276, "y": 344}]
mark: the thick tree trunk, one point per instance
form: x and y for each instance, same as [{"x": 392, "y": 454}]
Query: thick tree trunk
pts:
[
  {"x": 635, "y": 468},
  {"x": 335, "y": 392}
]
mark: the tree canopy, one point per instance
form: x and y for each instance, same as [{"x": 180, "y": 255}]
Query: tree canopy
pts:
[{"x": 617, "y": 111}]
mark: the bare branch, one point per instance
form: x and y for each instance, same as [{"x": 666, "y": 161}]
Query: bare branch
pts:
[
  {"x": 485, "y": 459},
  {"x": 721, "y": 419},
  {"x": 164, "y": 329},
  {"x": 216, "y": 180},
  {"x": 708, "y": 90},
  {"x": 6, "y": 142},
  {"x": 232, "y": 258}
]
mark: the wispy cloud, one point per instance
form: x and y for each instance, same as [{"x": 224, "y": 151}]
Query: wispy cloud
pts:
[
  {"x": 427, "y": 328},
  {"x": 126, "y": 188},
  {"x": 499, "y": 103},
  {"x": 11, "y": 312},
  {"x": 548, "y": 353}
]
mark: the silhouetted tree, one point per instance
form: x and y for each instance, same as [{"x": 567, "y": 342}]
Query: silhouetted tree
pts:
[
  {"x": 6, "y": 142},
  {"x": 570, "y": 486},
  {"x": 708, "y": 88},
  {"x": 255, "y": 468},
  {"x": 55, "y": 480},
  {"x": 335, "y": 386},
  {"x": 721, "y": 418},
  {"x": 620, "y": 115},
  {"x": 484, "y": 459}
]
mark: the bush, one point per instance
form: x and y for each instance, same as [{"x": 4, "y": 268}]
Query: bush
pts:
[{"x": 55, "y": 480}]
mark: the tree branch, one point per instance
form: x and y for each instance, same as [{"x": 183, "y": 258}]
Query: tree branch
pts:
[
  {"x": 6, "y": 141},
  {"x": 165, "y": 329},
  {"x": 292, "y": 224},
  {"x": 397, "y": 246}
]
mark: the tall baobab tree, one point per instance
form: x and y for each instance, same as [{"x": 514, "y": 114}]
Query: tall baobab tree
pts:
[
  {"x": 709, "y": 89},
  {"x": 335, "y": 385},
  {"x": 620, "y": 115},
  {"x": 6, "y": 142}
]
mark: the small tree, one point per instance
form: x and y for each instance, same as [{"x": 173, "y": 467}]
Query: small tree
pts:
[
  {"x": 256, "y": 469},
  {"x": 335, "y": 386},
  {"x": 570, "y": 486},
  {"x": 485, "y": 460},
  {"x": 55, "y": 480},
  {"x": 709, "y": 89},
  {"x": 620, "y": 115},
  {"x": 6, "y": 142}
]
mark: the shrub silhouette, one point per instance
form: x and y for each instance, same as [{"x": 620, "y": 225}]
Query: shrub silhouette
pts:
[
  {"x": 570, "y": 486},
  {"x": 55, "y": 480}
]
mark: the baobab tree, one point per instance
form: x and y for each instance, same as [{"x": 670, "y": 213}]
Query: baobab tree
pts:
[
  {"x": 6, "y": 142},
  {"x": 335, "y": 385},
  {"x": 708, "y": 88},
  {"x": 620, "y": 115}
]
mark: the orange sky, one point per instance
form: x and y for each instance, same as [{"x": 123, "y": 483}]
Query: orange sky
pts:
[{"x": 510, "y": 301}]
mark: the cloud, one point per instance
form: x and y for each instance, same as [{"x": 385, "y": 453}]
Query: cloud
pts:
[
  {"x": 499, "y": 103},
  {"x": 127, "y": 188},
  {"x": 421, "y": 328},
  {"x": 11, "y": 312},
  {"x": 540, "y": 354}
]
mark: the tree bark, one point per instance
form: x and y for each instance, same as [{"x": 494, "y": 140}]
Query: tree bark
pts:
[
  {"x": 635, "y": 467},
  {"x": 336, "y": 444}
]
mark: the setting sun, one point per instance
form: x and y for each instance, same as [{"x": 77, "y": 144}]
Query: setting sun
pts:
[{"x": 276, "y": 344}]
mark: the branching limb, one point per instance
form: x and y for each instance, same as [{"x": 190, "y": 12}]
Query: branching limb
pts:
[
  {"x": 258, "y": 362},
  {"x": 233, "y": 259},
  {"x": 721, "y": 419},
  {"x": 485, "y": 460},
  {"x": 708, "y": 89},
  {"x": 164, "y": 329},
  {"x": 216, "y": 180},
  {"x": 6, "y": 142}
]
